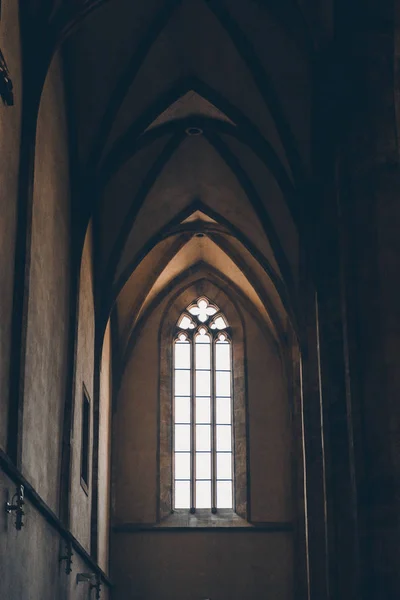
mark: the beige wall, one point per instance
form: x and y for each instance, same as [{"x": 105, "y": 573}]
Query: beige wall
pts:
[
  {"x": 219, "y": 565},
  {"x": 29, "y": 565},
  {"x": 10, "y": 125},
  {"x": 135, "y": 432},
  {"x": 180, "y": 564},
  {"x": 48, "y": 308},
  {"x": 269, "y": 429},
  {"x": 29, "y": 559},
  {"x": 84, "y": 370}
]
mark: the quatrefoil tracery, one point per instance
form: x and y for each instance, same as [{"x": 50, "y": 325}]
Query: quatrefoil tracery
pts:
[{"x": 200, "y": 312}]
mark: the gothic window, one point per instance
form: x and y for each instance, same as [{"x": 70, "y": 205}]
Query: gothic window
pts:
[{"x": 203, "y": 436}]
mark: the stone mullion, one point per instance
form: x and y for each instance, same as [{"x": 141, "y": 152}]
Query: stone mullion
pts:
[
  {"x": 192, "y": 426},
  {"x": 213, "y": 425}
]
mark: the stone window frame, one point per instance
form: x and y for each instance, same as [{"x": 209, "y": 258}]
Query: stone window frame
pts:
[{"x": 177, "y": 305}]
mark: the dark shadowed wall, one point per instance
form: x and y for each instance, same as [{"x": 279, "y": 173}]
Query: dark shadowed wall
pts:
[{"x": 10, "y": 125}]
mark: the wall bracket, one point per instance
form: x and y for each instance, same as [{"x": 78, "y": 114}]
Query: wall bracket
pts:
[
  {"x": 81, "y": 577},
  {"x": 16, "y": 506},
  {"x": 96, "y": 586},
  {"x": 6, "y": 86},
  {"x": 67, "y": 557}
]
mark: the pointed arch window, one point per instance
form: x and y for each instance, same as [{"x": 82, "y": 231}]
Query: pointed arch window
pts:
[{"x": 203, "y": 436}]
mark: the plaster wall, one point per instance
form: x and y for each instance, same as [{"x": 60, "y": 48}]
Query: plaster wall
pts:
[
  {"x": 29, "y": 559},
  {"x": 81, "y": 497},
  {"x": 81, "y": 590},
  {"x": 135, "y": 433},
  {"x": 269, "y": 429},
  {"x": 104, "y": 452},
  {"x": 29, "y": 566},
  {"x": 48, "y": 308},
  {"x": 223, "y": 565},
  {"x": 10, "y": 129}
]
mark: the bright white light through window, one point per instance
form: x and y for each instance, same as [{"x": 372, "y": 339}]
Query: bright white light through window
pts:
[{"x": 203, "y": 444}]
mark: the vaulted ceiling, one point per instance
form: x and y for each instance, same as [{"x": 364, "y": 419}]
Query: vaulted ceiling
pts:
[{"x": 193, "y": 130}]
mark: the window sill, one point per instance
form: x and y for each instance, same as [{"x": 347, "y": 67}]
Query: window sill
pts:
[
  {"x": 203, "y": 518},
  {"x": 224, "y": 520}
]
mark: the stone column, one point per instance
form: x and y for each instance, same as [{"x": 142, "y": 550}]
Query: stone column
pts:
[
  {"x": 368, "y": 219},
  {"x": 314, "y": 456}
]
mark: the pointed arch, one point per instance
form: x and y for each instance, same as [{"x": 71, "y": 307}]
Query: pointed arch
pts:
[
  {"x": 212, "y": 274},
  {"x": 174, "y": 227},
  {"x": 244, "y": 268},
  {"x": 245, "y": 183}
]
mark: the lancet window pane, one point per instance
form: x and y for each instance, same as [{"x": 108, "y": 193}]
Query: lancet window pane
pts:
[
  {"x": 182, "y": 382},
  {"x": 203, "y": 363},
  {"x": 182, "y": 355},
  {"x": 223, "y": 383},
  {"x": 202, "y": 337},
  {"x": 182, "y": 409},
  {"x": 224, "y": 438},
  {"x": 203, "y": 356},
  {"x": 182, "y": 494},
  {"x": 224, "y": 411},
  {"x": 203, "y": 438},
  {"x": 182, "y": 419},
  {"x": 182, "y": 438},
  {"x": 182, "y": 466},
  {"x": 203, "y": 411},
  {"x": 203, "y": 494},
  {"x": 223, "y": 356},
  {"x": 223, "y": 379},
  {"x": 224, "y": 465},
  {"x": 203, "y": 465},
  {"x": 224, "y": 494},
  {"x": 203, "y": 383}
]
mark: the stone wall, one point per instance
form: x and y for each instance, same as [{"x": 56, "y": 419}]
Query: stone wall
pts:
[
  {"x": 30, "y": 565},
  {"x": 48, "y": 304}
]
